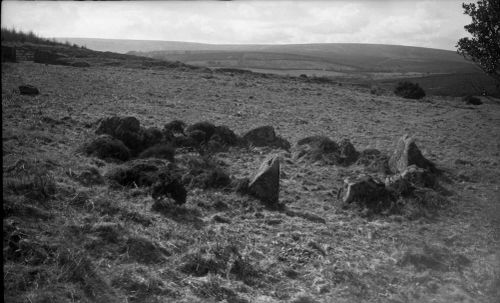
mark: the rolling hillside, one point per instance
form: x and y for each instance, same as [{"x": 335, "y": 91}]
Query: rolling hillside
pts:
[{"x": 439, "y": 72}]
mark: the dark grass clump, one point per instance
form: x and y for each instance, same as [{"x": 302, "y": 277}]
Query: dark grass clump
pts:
[
  {"x": 374, "y": 161},
  {"x": 160, "y": 151},
  {"x": 178, "y": 213},
  {"x": 151, "y": 136},
  {"x": 145, "y": 251},
  {"x": 140, "y": 285},
  {"x": 36, "y": 183},
  {"x": 175, "y": 127},
  {"x": 323, "y": 149},
  {"x": 225, "y": 136},
  {"x": 213, "y": 289},
  {"x": 206, "y": 127},
  {"x": 204, "y": 173},
  {"x": 409, "y": 90},
  {"x": 76, "y": 267},
  {"x": 169, "y": 185},
  {"x": 107, "y": 148},
  {"x": 141, "y": 173}
]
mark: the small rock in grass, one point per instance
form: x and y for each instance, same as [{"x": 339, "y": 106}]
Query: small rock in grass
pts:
[{"x": 28, "y": 90}]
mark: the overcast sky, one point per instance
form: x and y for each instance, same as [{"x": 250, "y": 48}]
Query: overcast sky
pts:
[{"x": 430, "y": 23}]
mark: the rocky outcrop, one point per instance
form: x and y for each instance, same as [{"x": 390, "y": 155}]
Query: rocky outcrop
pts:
[{"x": 265, "y": 185}]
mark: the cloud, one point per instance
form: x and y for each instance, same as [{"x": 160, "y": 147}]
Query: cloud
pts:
[{"x": 421, "y": 23}]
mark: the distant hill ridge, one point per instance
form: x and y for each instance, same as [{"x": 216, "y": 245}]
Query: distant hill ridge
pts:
[{"x": 315, "y": 56}]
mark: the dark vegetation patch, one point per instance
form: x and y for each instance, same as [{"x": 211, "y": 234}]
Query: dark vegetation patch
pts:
[
  {"x": 179, "y": 213},
  {"x": 31, "y": 180},
  {"x": 160, "y": 151},
  {"x": 203, "y": 172},
  {"x": 265, "y": 136},
  {"x": 374, "y": 160},
  {"x": 326, "y": 151},
  {"x": 141, "y": 172},
  {"x": 107, "y": 148},
  {"x": 471, "y": 100},
  {"x": 409, "y": 90},
  {"x": 220, "y": 259}
]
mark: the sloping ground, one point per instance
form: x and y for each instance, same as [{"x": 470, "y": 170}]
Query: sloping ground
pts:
[{"x": 65, "y": 241}]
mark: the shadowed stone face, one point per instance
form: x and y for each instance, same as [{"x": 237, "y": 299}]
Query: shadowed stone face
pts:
[{"x": 266, "y": 182}]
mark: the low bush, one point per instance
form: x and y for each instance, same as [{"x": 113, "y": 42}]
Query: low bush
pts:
[
  {"x": 409, "y": 90},
  {"x": 471, "y": 100}
]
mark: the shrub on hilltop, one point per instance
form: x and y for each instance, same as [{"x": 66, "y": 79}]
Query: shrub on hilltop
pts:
[{"x": 409, "y": 90}]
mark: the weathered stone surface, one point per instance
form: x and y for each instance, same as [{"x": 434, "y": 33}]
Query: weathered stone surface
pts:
[
  {"x": 363, "y": 189},
  {"x": 406, "y": 154},
  {"x": 28, "y": 90},
  {"x": 266, "y": 183},
  {"x": 265, "y": 136}
]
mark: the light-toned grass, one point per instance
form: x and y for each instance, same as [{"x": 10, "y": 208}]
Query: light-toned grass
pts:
[{"x": 85, "y": 241}]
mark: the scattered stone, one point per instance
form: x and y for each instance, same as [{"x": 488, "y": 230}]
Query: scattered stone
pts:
[
  {"x": 28, "y": 90},
  {"x": 406, "y": 154},
  {"x": 266, "y": 182},
  {"x": 106, "y": 147},
  {"x": 363, "y": 189},
  {"x": 265, "y": 136}
]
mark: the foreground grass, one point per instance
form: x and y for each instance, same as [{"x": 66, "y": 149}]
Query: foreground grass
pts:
[{"x": 67, "y": 240}]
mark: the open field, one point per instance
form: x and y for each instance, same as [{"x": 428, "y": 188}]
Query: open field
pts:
[{"x": 101, "y": 243}]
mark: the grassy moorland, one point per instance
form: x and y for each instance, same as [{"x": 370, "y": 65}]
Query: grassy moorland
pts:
[{"x": 67, "y": 240}]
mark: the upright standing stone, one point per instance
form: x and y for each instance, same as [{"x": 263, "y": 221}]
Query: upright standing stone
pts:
[
  {"x": 265, "y": 185},
  {"x": 406, "y": 154}
]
